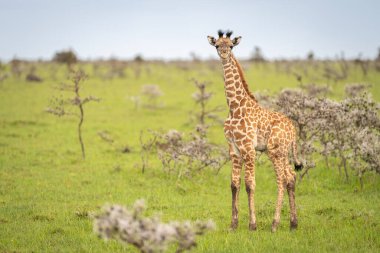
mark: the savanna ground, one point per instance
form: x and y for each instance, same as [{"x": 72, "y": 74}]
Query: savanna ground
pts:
[{"x": 47, "y": 192}]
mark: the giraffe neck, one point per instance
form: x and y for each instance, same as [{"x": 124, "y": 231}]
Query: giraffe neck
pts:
[{"x": 236, "y": 88}]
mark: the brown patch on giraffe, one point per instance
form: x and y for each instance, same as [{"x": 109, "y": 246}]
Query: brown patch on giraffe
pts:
[
  {"x": 238, "y": 135},
  {"x": 236, "y": 114},
  {"x": 248, "y": 149},
  {"x": 230, "y": 88},
  {"x": 229, "y": 76},
  {"x": 234, "y": 105},
  {"x": 241, "y": 128}
]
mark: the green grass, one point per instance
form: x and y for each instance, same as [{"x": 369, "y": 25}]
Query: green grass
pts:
[{"x": 47, "y": 191}]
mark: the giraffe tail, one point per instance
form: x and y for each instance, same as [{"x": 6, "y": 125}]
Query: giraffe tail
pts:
[{"x": 297, "y": 164}]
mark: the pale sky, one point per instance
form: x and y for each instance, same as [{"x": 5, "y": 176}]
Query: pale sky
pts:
[{"x": 170, "y": 29}]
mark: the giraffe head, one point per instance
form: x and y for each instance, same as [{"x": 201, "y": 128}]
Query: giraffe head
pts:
[{"x": 224, "y": 44}]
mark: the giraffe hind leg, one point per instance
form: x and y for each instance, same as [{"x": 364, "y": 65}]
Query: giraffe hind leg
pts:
[
  {"x": 278, "y": 162},
  {"x": 291, "y": 187}
]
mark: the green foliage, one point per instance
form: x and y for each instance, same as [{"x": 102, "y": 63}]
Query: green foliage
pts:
[{"x": 48, "y": 193}]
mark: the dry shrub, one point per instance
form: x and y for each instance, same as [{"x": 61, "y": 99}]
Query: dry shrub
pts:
[
  {"x": 184, "y": 155},
  {"x": 147, "y": 234},
  {"x": 33, "y": 78},
  {"x": 347, "y": 130},
  {"x": 151, "y": 93}
]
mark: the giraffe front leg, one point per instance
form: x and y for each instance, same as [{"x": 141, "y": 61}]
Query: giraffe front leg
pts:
[
  {"x": 250, "y": 183},
  {"x": 235, "y": 185},
  {"x": 278, "y": 164}
]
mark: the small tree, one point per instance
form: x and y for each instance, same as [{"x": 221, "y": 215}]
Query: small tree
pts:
[
  {"x": 202, "y": 97},
  {"x": 257, "y": 55},
  {"x": 59, "y": 109},
  {"x": 138, "y": 58},
  {"x": 363, "y": 64},
  {"x": 378, "y": 55},
  {"x": 17, "y": 67},
  {"x": 3, "y": 74},
  {"x": 67, "y": 57},
  {"x": 310, "y": 56},
  {"x": 147, "y": 147}
]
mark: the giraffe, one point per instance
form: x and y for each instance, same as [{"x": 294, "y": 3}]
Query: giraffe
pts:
[{"x": 250, "y": 128}]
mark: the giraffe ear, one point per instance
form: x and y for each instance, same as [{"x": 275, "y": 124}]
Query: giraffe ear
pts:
[
  {"x": 211, "y": 40},
  {"x": 236, "y": 40}
]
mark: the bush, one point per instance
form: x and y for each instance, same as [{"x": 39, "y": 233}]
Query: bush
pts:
[
  {"x": 148, "y": 234},
  {"x": 185, "y": 155},
  {"x": 347, "y": 130},
  {"x": 151, "y": 92}
]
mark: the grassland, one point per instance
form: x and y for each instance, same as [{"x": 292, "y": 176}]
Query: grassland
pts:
[{"x": 47, "y": 191}]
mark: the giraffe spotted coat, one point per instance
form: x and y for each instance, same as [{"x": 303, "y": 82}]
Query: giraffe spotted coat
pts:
[{"x": 250, "y": 128}]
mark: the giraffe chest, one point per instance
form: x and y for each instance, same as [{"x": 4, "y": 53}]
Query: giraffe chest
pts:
[{"x": 246, "y": 131}]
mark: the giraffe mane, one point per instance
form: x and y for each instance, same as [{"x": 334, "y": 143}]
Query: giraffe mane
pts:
[{"x": 245, "y": 85}]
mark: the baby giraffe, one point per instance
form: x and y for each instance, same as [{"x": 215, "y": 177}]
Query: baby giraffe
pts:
[{"x": 250, "y": 128}]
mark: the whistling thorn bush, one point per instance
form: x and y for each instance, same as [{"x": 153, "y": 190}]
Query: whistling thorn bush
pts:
[
  {"x": 152, "y": 92},
  {"x": 148, "y": 234},
  {"x": 187, "y": 156}
]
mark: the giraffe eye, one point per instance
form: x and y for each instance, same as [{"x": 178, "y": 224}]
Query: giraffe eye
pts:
[
  {"x": 217, "y": 46},
  {"x": 231, "y": 47}
]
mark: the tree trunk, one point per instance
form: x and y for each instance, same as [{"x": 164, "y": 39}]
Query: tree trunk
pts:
[{"x": 80, "y": 130}]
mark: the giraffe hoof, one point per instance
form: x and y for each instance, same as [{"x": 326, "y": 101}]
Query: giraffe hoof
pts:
[
  {"x": 293, "y": 225},
  {"x": 274, "y": 226},
  {"x": 252, "y": 227},
  {"x": 234, "y": 225}
]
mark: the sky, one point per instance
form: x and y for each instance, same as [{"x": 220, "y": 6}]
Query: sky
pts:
[{"x": 172, "y": 29}]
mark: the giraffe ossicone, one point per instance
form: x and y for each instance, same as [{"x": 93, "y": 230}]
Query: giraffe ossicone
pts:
[{"x": 250, "y": 128}]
